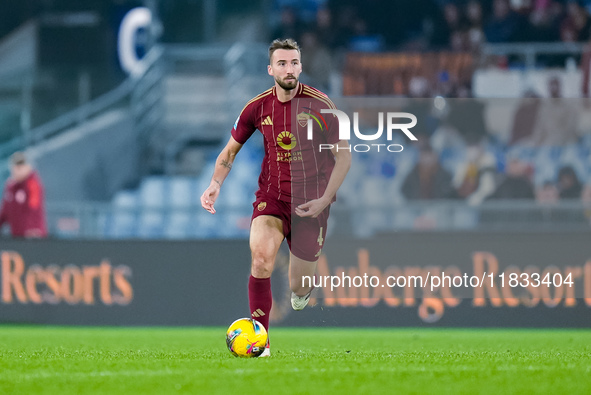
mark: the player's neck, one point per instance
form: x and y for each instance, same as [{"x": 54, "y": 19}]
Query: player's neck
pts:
[{"x": 286, "y": 95}]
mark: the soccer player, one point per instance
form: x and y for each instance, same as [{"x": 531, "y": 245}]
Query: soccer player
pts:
[{"x": 298, "y": 180}]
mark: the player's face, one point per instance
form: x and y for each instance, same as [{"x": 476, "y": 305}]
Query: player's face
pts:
[{"x": 286, "y": 67}]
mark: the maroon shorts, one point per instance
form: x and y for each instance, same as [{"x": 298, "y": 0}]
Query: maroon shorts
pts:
[{"x": 305, "y": 236}]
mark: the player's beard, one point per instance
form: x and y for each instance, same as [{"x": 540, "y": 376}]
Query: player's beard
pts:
[{"x": 287, "y": 85}]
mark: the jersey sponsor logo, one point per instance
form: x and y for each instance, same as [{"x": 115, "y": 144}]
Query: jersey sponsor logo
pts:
[
  {"x": 286, "y": 140},
  {"x": 289, "y": 156},
  {"x": 262, "y": 206},
  {"x": 268, "y": 121}
]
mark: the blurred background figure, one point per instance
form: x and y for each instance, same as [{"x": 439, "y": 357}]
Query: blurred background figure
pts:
[
  {"x": 23, "y": 206},
  {"x": 288, "y": 25},
  {"x": 557, "y": 122},
  {"x": 316, "y": 62},
  {"x": 517, "y": 182},
  {"x": 525, "y": 117},
  {"x": 503, "y": 24},
  {"x": 569, "y": 186},
  {"x": 475, "y": 31},
  {"x": 427, "y": 180},
  {"x": 547, "y": 194},
  {"x": 474, "y": 179}
]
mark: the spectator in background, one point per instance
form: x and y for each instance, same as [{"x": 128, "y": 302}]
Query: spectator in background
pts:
[
  {"x": 325, "y": 31},
  {"x": 503, "y": 24},
  {"x": 288, "y": 25},
  {"x": 546, "y": 198},
  {"x": 569, "y": 186},
  {"x": 344, "y": 18},
  {"x": 575, "y": 26},
  {"x": 525, "y": 117},
  {"x": 544, "y": 21},
  {"x": 464, "y": 124},
  {"x": 475, "y": 33},
  {"x": 474, "y": 180},
  {"x": 547, "y": 194},
  {"x": 455, "y": 27},
  {"x": 517, "y": 182},
  {"x": 427, "y": 180},
  {"x": 318, "y": 62},
  {"x": 362, "y": 40},
  {"x": 557, "y": 122},
  {"x": 23, "y": 206}
]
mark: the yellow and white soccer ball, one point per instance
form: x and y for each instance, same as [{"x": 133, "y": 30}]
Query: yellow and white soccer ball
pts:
[{"x": 246, "y": 338}]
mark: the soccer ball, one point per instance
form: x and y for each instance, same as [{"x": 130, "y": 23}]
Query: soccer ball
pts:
[{"x": 246, "y": 338}]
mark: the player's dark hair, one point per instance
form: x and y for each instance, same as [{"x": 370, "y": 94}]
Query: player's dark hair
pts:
[{"x": 288, "y": 43}]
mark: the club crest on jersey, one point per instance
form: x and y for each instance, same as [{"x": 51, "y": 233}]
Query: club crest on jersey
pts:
[
  {"x": 262, "y": 206},
  {"x": 286, "y": 140},
  {"x": 303, "y": 119}
]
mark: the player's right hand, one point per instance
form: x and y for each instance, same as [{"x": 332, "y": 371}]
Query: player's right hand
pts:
[{"x": 209, "y": 197}]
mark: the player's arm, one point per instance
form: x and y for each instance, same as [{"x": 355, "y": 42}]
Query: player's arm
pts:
[
  {"x": 223, "y": 165},
  {"x": 342, "y": 156}
]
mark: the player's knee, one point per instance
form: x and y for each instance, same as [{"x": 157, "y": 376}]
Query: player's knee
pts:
[{"x": 262, "y": 264}]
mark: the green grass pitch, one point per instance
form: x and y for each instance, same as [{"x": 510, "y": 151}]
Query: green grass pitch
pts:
[{"x": 57, "y": 360}]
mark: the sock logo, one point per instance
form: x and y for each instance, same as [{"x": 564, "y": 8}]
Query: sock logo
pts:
[{"x": 258, "y": 313}]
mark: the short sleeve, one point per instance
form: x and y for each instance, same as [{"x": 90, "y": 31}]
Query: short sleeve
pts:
[{"x": 244, "y": 126}]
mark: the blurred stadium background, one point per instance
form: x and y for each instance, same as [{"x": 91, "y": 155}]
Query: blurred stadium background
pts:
[
  {"x": 124, "y": 105},
  {"x": 124, "y": 127}
]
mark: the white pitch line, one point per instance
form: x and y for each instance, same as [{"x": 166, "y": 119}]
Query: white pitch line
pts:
[
  {"x": 249, "y": 371},
  {"x": 105, "y": 373}
]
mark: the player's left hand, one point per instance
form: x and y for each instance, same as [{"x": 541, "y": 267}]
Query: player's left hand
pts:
[{"x": 313, "y": 208}]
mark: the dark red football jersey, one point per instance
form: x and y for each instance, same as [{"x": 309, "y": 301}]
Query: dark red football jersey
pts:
[
  {"x": 293, "y": 169},
  {"x": 23, "y": 207}
]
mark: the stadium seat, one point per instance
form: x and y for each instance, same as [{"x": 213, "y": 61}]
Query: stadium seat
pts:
[
  {"x": 123, "y": 224},
  {"x": 153, "y": 192},
  {"x": 177, "y": 227},
  {"x": 151, "y": 224},
  {"x": 181, "y": 191},
  {"x": 126, "y": 199}
]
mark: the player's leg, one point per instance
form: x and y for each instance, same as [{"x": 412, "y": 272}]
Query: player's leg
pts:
[
  {"x": 306, "y": 242},
  {"x": 266, "y": 235},
  {"x": 301, "y": 275}
]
